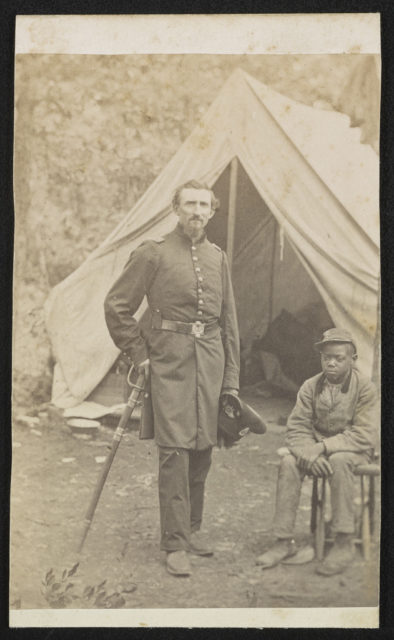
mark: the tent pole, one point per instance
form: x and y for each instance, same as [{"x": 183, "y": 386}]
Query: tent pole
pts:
[
  {"x": 272, "y": 274},
  {"x": 232, "y": 211},
  {"x": 376, "y": 346}
]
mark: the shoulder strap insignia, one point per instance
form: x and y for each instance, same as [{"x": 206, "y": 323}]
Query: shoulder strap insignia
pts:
[
  {"x": 216, "y": 246},
  {"x": 155, "y": 240}
]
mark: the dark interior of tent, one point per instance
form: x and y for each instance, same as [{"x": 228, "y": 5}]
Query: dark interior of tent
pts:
[{"x": 280, "y": 311}]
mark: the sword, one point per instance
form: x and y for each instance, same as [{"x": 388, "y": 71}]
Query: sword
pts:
[{"x": 133, "y": 400}]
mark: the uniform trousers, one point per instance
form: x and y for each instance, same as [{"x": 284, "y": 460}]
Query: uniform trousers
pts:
[
  {"x": 342, "y": 493},
  {"x": 182, "y": 475}
]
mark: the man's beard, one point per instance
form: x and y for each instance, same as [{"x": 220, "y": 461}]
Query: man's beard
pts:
[{"x": 192, "y": 231}]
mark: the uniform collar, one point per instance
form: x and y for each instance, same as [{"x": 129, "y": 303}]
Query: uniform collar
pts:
[
  {"x": 344, "y": 387},
  {"x": 180, "y": 232}
]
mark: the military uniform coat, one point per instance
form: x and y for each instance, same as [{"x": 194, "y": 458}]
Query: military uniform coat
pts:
[
  {"x": 344, "y": 416},
  {"x": 183, "y": 282}
]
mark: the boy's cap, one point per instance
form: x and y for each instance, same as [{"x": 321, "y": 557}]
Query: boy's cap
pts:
[{"x": 335, "y": 335}]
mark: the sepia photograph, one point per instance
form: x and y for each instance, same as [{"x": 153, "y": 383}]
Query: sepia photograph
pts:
[{"x": 196, "y": 350}]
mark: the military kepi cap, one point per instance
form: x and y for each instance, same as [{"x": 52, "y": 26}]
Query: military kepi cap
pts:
[
  {"x": 236, "y": 419},
  {"x": 335, "y": 335}
]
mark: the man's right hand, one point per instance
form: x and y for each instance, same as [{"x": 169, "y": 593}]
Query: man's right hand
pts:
[
  {"x": 321, "y": 467},
  {"x": 144, "y": 368}
]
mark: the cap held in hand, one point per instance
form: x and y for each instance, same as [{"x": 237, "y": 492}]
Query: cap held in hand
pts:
[{"x": 236, "y": 419}]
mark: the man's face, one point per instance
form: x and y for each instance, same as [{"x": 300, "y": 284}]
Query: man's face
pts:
[
  {"x": 337, "y": 360},
  {"x": 194, "y": 210}
]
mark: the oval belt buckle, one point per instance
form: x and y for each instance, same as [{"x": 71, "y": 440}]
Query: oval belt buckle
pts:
[{"x": 197, "y": 329}]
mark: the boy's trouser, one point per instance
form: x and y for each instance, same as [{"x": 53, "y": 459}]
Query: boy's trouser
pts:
[
  {"x": 182, "y": 475},
  {"x": 342, "y": 493}
]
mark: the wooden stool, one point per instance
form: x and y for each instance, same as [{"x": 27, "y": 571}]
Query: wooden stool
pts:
[{"x": 367, "y": 474}]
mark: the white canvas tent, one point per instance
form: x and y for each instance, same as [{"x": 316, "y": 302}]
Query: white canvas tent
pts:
[{"x": 301, "y": 221}]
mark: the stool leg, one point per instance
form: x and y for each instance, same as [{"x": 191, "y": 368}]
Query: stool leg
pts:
[
  {"x": 371, "y": 501},
  {"x": 320, "y": 533},
  {"x": 365, "y": 522},
  {"x": 315, "y": 498}
]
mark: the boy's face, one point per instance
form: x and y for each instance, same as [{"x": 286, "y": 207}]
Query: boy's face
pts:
[{"x": 336, "y": 360}]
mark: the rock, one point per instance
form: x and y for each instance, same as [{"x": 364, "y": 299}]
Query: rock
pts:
[
  {"x": 128, "y": 587},
  {"x": 16, "y": 604},
  {"x": 100, "y": 459},
  {"x": 68, "y": 459},
  {"x": 145, "y": 479},
  {"x": 28, "y": 421},
  {"x": 224, "y": 546},
  {"x": 84, "y": 426},
  {"x": 123, "y": 492},
  {"x": 36, "y": 432}
]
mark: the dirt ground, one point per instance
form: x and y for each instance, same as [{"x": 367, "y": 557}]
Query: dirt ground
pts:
[{"x": 54, "y": 475}]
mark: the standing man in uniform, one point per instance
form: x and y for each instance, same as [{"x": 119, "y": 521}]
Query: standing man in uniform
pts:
[{"x": 191, "y": 356}]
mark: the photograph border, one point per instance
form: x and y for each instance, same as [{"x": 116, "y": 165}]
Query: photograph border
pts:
[{"x": 386, "y": 259}]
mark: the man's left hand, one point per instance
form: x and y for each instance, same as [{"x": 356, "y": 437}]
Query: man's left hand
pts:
[{"x": 309, "y": 455}]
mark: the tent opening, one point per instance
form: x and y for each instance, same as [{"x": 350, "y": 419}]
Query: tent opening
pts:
[{"x": 280, "y": 311}]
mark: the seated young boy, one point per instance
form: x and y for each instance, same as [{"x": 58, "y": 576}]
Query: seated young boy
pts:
[{"x": 332, "y": 429}]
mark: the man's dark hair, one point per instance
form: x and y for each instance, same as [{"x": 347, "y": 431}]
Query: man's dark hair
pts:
[{"x": 194, "y": 184}]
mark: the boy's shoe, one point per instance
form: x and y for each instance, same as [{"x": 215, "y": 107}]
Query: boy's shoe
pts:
[
  {"x": 280, "y": 550},
  {"x": 339, "y": 557},
  {"x": 303, "y": 556}
]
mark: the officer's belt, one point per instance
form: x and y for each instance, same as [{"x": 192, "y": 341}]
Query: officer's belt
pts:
[{"x": 191, "y": 328}]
